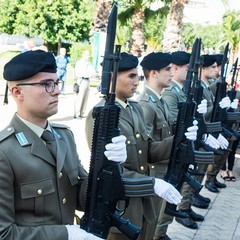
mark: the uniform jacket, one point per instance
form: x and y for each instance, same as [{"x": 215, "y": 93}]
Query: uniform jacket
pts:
[
  {"x": 208, "y": 95},
  {"x": 157, "y": 116},
  {"x": 141, "y": 150},
  {"x": 172, "y": 96},
  {"x": 38, "y": 195}
]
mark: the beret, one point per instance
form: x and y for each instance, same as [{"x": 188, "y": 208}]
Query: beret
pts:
[
  {"x": 180, "y": 58},
  {"x": 156, "y": 61},
  {"x": 219, "y": 58},
  {"x": 26, "y": 65},
  {"x": 208, "y": 60},
  {"x": 127, "y": 62}
]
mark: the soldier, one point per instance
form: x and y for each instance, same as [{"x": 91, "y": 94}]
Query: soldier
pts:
[
  {"x": 157, "y": 68},
  {"x": 141, "y": 150},
  {"x": 42, "y": 179}
]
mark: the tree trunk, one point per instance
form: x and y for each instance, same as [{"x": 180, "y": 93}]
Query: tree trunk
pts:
[
  {"x": 172, "y": 33},
  {"x": 137, "y": 39},
  {"x": 101, "y": 13}
]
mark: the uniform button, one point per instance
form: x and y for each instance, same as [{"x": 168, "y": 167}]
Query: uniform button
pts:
[
  {"x": 152, "y": 166},
  {"x": 39, "y": 191},
  {"x": 142, "y": 168},
  {"x": 169, "y": 132},
  {"x": 9, "y": 129},
  {"x": 60, "y": 175},
  {"x": 163, "y": 125},
  {"x": 140, "y": 151},
  {"x": 64, "y": 201},
  {"x": 128, "y": 142},
  {"x": 137, "y": 135}
]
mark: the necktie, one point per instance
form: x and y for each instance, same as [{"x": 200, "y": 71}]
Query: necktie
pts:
[{"x": 51, "y": 145}]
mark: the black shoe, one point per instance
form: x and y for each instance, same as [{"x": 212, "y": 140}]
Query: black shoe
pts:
[
  {"x": 218, "y": 184},
  {"x": 211, "y": 187},
  {"x": 195, "y": 217},
  {"x": 166, "y": 237},
  {"x": 187, "y": 222},
  {"x": 199, "y": 203},
  {"x": 200, "y": 197}
]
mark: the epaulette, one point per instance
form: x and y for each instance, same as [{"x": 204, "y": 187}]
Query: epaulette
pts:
[
  {"x": 5, "y": 133},
  {"x": 146, "y": 97},
  {"x": 132, "y": 101},
  {"x": 58, "y": 125}
]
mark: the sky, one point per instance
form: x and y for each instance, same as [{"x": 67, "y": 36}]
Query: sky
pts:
[{"x": 210, "y": 12}]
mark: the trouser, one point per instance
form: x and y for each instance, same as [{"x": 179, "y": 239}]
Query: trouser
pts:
[
  {"x": 164, "y": 220},
  {"x": 219, "y": 161}
]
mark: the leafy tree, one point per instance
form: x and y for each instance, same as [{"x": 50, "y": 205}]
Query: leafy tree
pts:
[
  {"x": 231, "y": 31},
  {"x": 56, "y": 21}
]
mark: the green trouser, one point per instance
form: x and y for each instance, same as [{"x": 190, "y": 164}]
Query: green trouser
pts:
[
  {"x": 213, "y": 169},
  {"x": 164, "y": 220},
  {"x": 187, "y": 191}
]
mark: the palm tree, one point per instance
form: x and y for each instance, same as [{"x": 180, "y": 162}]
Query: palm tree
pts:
[
  {"x": 172, "y": 33},
  {"x": 138, "y": 11}
]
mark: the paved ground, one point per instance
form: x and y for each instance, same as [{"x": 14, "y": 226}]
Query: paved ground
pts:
[{"x": 222, "y": 219}]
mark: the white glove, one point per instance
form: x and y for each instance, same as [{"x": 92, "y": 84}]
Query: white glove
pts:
[
  {"x": 225, "y": 102},
  {"x": 234, "y": 104},
  {"x": 223, "y": 142},
  {"x": 191, "y": 133},
  {"x": 76, "y": 233},
  {"x": 212, "y": 142},
  {"x": 202, "y": 107},
  {"x": 116, "y": 151},
  {"x": 166, "y": 191}
]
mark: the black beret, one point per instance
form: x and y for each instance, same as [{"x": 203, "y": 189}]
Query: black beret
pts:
[
  {"x": 156, "y": 61},
  {"x": 219, "y": 58},
  {"x": 180, "y": 58},
  {"x": 127, "y": 62},
  {"x": 26, "y": 65},
  {"x": 208, "y": 60}
]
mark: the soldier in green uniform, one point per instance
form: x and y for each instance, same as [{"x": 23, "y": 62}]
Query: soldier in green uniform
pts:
[
  {"x": 42, "y": 179},
  {"x": 142, "y": 150},
  {"x": 158, "y": 68}
]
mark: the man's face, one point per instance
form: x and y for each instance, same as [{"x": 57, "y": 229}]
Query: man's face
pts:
[
  {"x": 127, "y": 83},
  {"x": 210, "y": 72},
  {"x": 34, "y": 102},
  {"x": 164, "y": 76},
  {"x": 180, "y": 73}
]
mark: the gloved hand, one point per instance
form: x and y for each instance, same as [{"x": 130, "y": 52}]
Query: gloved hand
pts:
[
  {"x": 225, "y": 102},
  {"x": 116, "y": 151},
  {"x": 191, "y": 133},
  {"x": 76, "y": 233},
  {"x": 202, "y": 107},
  {"x": 234, "y": 103},
  {"x": 212, "y": 142},
  {"x": 166, "y": 191},
  {"x": 223, "y": 142}
]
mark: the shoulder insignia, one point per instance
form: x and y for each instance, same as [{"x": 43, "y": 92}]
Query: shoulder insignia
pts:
[
  {"x": 58, "y": 125},
  {"x": 5, "y": 133}
]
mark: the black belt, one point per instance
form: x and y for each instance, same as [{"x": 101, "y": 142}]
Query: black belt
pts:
[{"x": 85, "y": 78}]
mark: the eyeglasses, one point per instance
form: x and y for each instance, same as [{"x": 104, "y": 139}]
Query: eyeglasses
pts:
[{"x": 48, "y": 83}]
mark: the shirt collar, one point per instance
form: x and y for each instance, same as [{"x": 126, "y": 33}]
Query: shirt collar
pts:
[{"x": 156, "y": 93}]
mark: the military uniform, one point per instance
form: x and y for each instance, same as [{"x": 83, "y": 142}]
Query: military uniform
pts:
[
  {"x": 38, "y": 194},
  {"x": 172, "y": 96},
  {"x": 141, "y": 151},
  {"x": 159, "y": 123}
]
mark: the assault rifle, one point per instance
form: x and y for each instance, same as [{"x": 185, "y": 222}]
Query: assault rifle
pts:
[
  {"x": 183, "y": 153},
  {"x": 226, "y": 117},
  {"x": 105, "y": 184},
  {"x": 203, "y": 127}
]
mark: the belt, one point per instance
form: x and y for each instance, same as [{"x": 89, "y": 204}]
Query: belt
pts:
[{"x": 85, "y": 78}]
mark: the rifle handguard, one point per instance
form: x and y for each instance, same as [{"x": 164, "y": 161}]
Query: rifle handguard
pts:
[{"x": 138, "y": 187}]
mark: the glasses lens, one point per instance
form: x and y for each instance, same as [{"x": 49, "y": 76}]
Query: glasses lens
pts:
[{"x": 49, "y": 86}]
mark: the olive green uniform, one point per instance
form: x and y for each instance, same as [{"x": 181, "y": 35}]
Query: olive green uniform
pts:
[
  {"x": 159, "y": 124},
  {"x": 141, "y": 151}
]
